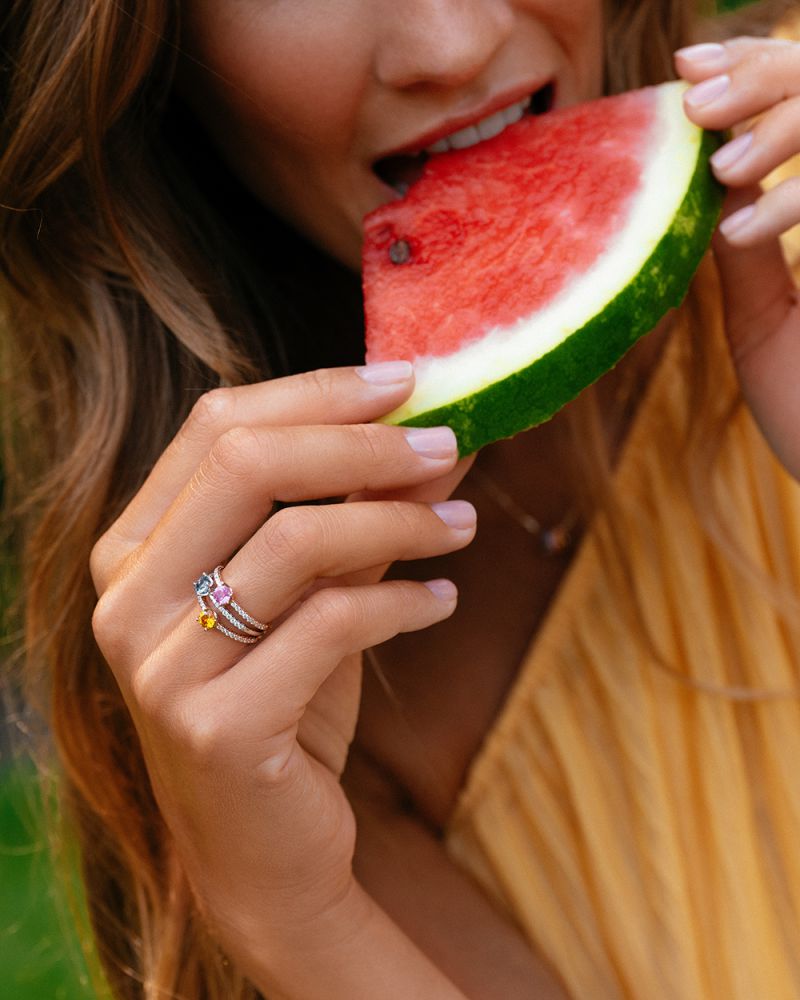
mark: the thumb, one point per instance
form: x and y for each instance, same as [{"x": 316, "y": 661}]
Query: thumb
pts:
[{"x": 762, "y": 322}]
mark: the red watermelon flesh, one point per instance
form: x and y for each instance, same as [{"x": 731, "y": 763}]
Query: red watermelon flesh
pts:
[
  {"x": 516, "y": 272},
  {"x": 547, "y": 193}
]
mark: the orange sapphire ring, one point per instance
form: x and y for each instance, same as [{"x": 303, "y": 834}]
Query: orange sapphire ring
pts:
[{"x": 210, "y": 587}]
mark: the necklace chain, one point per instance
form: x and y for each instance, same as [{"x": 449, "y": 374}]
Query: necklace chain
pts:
[{"x": 554, "y": 540}]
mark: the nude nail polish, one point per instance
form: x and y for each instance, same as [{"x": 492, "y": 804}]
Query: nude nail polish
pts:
[
  {"x": 707, "y": 91},
  {"x": 705, "y": 52},
  {"x": 386, "y": 372},
  {"x": 732, "y": 151},
  {"x": 738, "y": 221},
  {"x": 432, "y": 442}
]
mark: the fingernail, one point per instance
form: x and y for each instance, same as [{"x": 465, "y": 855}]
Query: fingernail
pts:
[
  {"x": 706, "y": 52},
  {"x": 707, "y": 91},
  {"x": 456, "y": 513},
  {"x": 386, "y": 372},
  {"x": 736, "y": 222},
  {"x": 445, "y": 590},
  {"x": 732, "y": 151},
  {"x": 432, "y": 442}
]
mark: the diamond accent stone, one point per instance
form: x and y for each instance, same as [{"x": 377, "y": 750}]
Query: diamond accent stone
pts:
[
  {"x": 223, "y": 594},
  {"x": 207, "y": 620},
  {"x": 202, "y": 587}
]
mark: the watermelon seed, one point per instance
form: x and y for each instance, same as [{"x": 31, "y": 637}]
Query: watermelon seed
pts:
[{"x": 400, "y": 252}]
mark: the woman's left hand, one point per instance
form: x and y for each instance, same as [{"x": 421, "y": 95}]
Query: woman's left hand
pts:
[{"x": 733, "y": 83}]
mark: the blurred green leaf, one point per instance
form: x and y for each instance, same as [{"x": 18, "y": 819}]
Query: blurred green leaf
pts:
[{"x": 40, "y": 957}]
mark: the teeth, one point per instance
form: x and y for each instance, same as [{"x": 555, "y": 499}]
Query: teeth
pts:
[
  {"x": 487, "y": 128},
  {"x": 464, "y": 138},
  {"x": 439, "y": 147},
  {"x": 491, "y": 126},
  {"x": 515, "y": 112}
]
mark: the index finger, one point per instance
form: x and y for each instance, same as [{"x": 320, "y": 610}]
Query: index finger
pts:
[{"x": 325, "y": 396}]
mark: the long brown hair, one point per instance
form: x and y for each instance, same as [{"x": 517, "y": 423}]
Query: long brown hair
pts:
[{"x": 112, "y": 323}]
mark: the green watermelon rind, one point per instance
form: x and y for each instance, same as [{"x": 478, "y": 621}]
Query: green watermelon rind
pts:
[{"x": 533, "y": 394}]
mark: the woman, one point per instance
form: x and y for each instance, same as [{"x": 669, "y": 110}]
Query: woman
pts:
[{"x": 588, "y": 852}]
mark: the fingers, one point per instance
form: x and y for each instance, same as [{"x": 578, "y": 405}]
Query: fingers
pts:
[
  {"x": 430, "y": 491},
  {"x": 756, "y": 282},
  {"x": 334, "y": 396},
  {"x": 737, "y": 80},
  {"x": 771, "y": 215},
  {"x": 272, "y": 572},
  {"x": 763, "y": 327},
  {"x": 753, "y": 154},
  {"x": 232, "y": 493},
  {"x": 272, "y": 686},
  {"x": 733, "y": 82},
  {"x": 302, "y": 544}
]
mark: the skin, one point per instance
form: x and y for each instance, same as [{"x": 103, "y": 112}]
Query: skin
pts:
[
  {"x": 246, "y": 745},
  {"x": 306, "y": 147}
]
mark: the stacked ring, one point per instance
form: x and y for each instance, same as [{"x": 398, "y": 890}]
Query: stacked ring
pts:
[{"x": 213, "y": 587}]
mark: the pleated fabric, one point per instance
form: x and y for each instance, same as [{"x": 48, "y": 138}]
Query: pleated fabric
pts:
[{"x": 643, "y": 833}]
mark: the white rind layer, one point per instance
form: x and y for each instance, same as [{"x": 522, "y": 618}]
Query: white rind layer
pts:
[{"x": 505, "y": 350}]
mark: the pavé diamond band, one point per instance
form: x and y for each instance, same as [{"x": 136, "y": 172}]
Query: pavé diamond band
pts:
[{"x": 213, "y": 587}]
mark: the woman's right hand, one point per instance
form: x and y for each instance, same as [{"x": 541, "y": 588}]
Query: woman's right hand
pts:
[{"x": 245, "y": 744}]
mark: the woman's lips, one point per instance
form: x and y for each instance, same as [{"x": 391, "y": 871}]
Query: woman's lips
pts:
[{"x": 400, "y": 169}]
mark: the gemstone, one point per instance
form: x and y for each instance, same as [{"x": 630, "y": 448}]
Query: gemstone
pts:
[
  {"x": 223, "y": 594},
  {"x": 202, "y": 587},
  {"x": 207, "y": 620}
]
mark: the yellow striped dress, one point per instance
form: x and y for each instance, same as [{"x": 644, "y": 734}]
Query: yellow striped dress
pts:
[{"x": 640, "y": 825}]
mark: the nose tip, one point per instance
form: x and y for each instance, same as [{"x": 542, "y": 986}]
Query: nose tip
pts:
[{"x": 443, "y": 42}]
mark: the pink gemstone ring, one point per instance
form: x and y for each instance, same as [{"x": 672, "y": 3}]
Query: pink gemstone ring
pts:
[{"x": 213, "y": 587}]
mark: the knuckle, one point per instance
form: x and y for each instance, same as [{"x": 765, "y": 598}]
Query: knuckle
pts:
[
  {"x": 371, "y": 440},
  {"x": 331, "y": 615},
  {"x": 99, "y": 560},
  {"x": 159, "y": 703},
  {"x": 146, "y": 692},
  {"x": 202, "y": 734},
  {"x": 103, "y": 619},
  {"x": 320, "y": 383},
  {"x": 293, "y": 534},
  {"x": 108, "y": 626},
  {"x": 404, "y": 518},
  {"x": 791, "y": 187},
  {"x": 757, "y": 63},
  {"x": 237, "y": 452},
  {"x": 211, "y": 414}
]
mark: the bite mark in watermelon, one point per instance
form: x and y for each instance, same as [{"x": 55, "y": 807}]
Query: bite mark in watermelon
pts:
[{"x": 515, "y": 273}]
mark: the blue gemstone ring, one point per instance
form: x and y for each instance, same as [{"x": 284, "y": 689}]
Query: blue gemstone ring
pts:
[{"x": 210, "y": 587}]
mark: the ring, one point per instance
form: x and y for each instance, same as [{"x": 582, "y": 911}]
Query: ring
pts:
[{"x": 213, "y": 587}]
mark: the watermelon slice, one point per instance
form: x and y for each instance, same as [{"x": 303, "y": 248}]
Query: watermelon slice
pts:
[{"x": 515, "y": 273}]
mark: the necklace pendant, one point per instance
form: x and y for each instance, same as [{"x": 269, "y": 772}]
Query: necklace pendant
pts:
[{"x": 556, "y": 540}]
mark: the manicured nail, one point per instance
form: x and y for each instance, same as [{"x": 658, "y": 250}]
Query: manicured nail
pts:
[
  {"x": 445, "y": 590},
  {"x": 432, "y": 442},
  {"x": 386, "y": 372},
  {"x": 732, "y": 151},
  {"x": 707, "y": 52},
  {"x": 456, "y": 513},
  {"x": 738, "y": 221},
  {"x": 707, "y": 91}
]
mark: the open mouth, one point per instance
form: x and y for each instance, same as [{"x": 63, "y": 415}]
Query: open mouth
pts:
[{"x": 402, "y": 170}]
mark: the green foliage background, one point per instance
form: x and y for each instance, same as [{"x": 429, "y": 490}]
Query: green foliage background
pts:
[{"x": 40, "y": 958}]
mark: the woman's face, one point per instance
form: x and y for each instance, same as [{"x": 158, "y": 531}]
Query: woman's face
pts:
[{"x": 322, "y": 107}]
